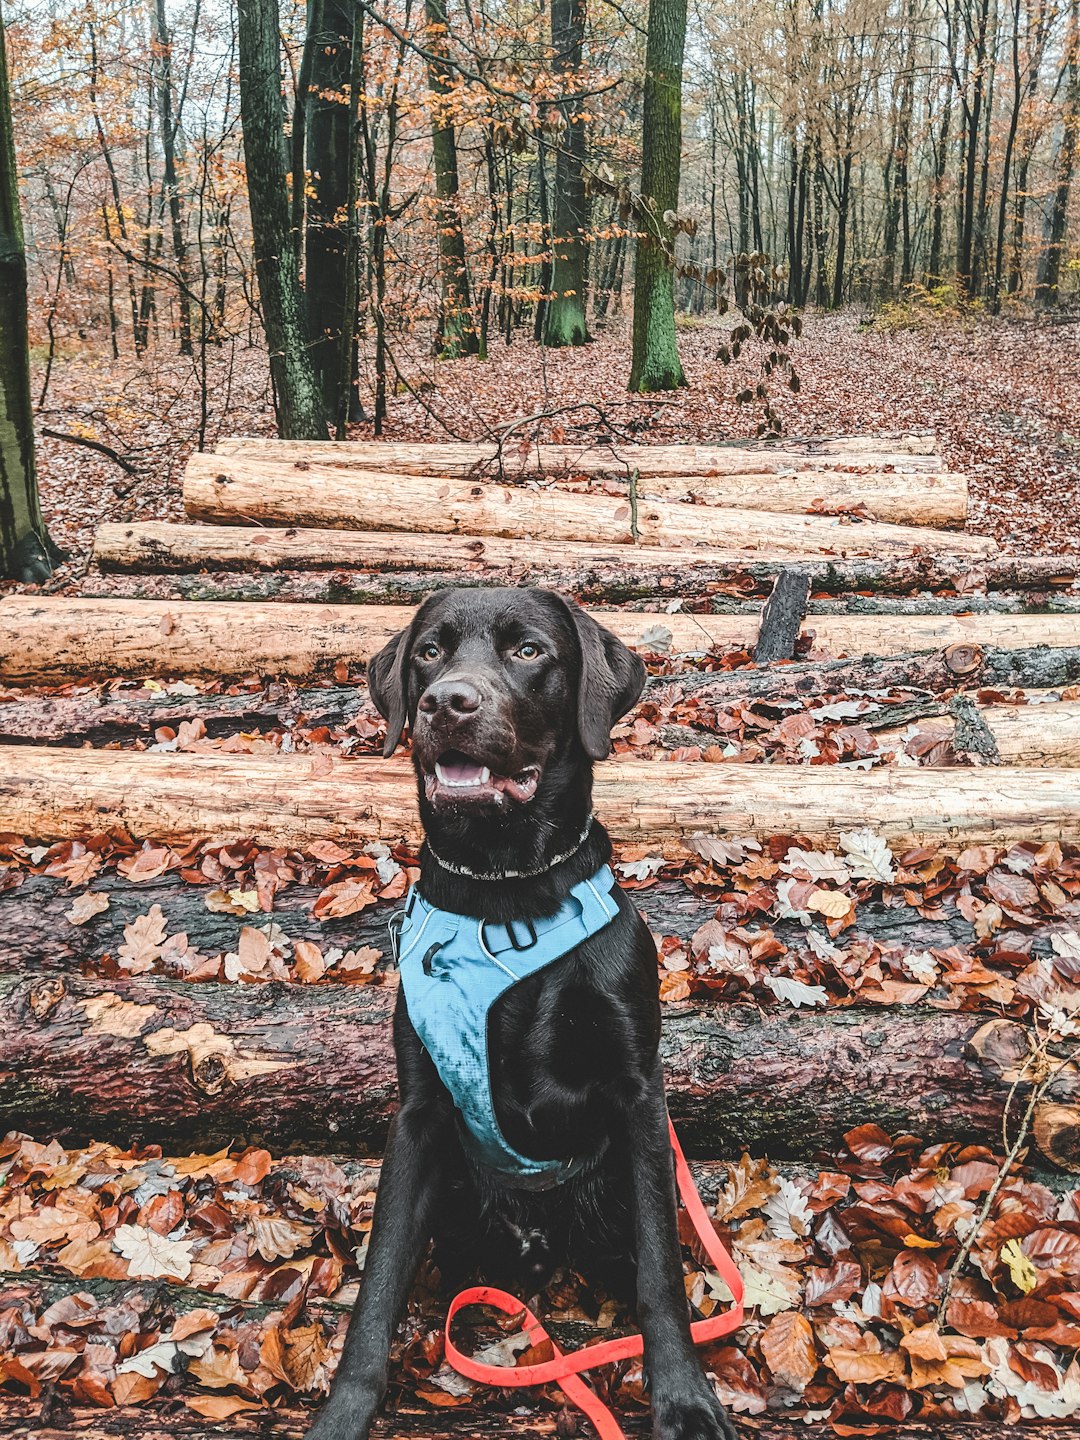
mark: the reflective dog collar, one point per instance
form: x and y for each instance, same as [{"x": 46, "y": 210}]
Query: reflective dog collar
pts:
[{"x": 453, "y": 969}]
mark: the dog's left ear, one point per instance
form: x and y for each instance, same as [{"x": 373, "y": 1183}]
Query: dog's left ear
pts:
[
  {"x": 388, "y": 686},
  {"x": 612, "y": 679}
]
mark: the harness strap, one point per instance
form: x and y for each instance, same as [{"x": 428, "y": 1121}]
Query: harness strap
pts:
[{"x": 566, "y": 1369}]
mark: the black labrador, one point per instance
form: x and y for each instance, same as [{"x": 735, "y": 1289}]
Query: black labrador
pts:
[{"x": 511, "y": 695}]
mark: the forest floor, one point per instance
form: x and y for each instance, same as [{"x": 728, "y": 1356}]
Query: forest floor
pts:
[{"x": 1003, "y": 397}]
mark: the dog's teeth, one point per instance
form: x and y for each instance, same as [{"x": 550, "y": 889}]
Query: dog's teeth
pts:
[{"x": 485, "y": 776}]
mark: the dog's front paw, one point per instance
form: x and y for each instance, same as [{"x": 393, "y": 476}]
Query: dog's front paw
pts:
[
  {"x": 338, "y": 1422},
  {"x": 700, "y": 1417}
]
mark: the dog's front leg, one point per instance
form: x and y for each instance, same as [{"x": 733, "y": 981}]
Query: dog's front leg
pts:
[
  {"x": 400, "y": 1230},
  {"x": 683, "y": 1402}
]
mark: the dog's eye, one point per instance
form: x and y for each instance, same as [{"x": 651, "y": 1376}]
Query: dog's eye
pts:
[
  {"x": 430, "y": 651},
  {"x": 528, "y": 651}
]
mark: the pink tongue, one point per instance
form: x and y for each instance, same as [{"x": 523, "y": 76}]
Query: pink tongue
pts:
[{"x": 460, "y": 771}]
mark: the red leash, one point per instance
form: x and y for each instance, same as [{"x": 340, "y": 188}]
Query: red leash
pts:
[{"x": 565, "y": 1369}]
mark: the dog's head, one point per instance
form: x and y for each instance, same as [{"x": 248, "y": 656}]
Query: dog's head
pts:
[{"x": 497, "y": 687}]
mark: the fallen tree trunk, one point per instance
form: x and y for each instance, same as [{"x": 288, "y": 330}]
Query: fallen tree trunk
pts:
[
  {"x": 912, "y": 450},
  {"x": 36, "y": 935},
  {"x": 153, "y": 1061},
  {"x": 293, "y": 799},
  {"x": 895, "y": 494},
  {"x": 42, "y": 639},
  {"x": 99, "y": 720},
  {"x": 963, "y": 665},
  {"x": 591, "y": 573},
  {"x": 1040, "y": 733},
  {"x": 491, "y": 1421},
  {"x": 242, "y": 491},
  {"x": 1035, "y": 735}
]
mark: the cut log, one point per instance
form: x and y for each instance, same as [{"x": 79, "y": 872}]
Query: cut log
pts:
[
  {"x": 241, "y": 491},
  {"x": 494, "y": 1421},
  {"x": 1033, "y": 735},
  {"x": 911, "y": 450},
  {"x": 888, "y": 491},
  {"x": 1040, "y": 732},
  {"x": 293, "y": 799},
  {"x": 782, "y": 617},
  {"x": 595, "y": 573},
  {"x": 1040, "y": 668},
  {"x": 159, "y": 545},
  {"x": 98, "y": 719},
  {"x": 54, "y": 638},
  {"x": 36, "y": 935},
  {"x": 153, "y": 1061}
]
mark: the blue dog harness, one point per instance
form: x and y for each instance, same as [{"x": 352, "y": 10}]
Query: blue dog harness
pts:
[{"x": 453, "y": 969}]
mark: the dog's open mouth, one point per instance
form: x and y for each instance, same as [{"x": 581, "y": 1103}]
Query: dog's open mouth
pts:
[{"x": 458, "y": 779}]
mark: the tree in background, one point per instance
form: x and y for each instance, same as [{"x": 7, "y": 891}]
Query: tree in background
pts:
[
  {"x": 26, "y": 552},
  {"x": 300, "y": 411},
  {"x": 655, "y": 364},
  {"x": 457, "y": 332},
  {"x": 327, "y": 123},
  {"x": 564, "y": 321},
  {"x": 1048, "y": 276}
]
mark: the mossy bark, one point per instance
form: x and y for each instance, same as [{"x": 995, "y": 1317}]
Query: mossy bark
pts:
[
  {"x": 26, "y": 552},
  {"x": 299, "y": 401},
  {"x": 656, "y": 364},
  {"x": 565, "y": 322}
]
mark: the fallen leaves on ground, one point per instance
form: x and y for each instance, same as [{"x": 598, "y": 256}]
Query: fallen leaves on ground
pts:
[{"x": 844, "y": 1270}]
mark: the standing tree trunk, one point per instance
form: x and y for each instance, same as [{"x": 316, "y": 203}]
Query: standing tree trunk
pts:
[
  {"x": 1048, "y": 275},
  {"x": 655, "y": 364},
  {"x": 458, "y": 334},
  {"x": 170, "y": 124},
  {"x": 26, "y": 552},
  {"x": 565, "y": 321},
  {"x": 330, "y": 164},
  {"x": 296, "y": 391}
]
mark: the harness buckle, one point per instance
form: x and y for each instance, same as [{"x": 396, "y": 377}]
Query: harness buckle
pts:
[
  {"x": 394, "y": 927},
  {"x": 509, "y": 927}
]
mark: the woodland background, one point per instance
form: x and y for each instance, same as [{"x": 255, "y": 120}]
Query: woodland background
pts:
[{"x": 903, "y": 168}]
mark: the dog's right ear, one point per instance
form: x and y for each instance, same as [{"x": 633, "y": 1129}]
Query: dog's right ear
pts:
[{"x": 388, "y": 686}]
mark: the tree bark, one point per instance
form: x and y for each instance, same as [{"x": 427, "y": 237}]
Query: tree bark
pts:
[
  {"x": 312, "y": 1068},
  {"x": 565, "y": 321},
  {"x": 617, "y": 575},
  {"x": 964, "y": 664},
  {"x": 782, "y": 618},
  {"x": 299, "y": 403},
  {"x": 26, "y": 552},
  {"x": 458, "y": 333},
  {"x": 655, "y": 364},
  {"x": 331, "y": 157},
  {"x": 37, "y": 938},
  {"x": 170, "y": 123},
  {"x": 1048, "y": 275}
]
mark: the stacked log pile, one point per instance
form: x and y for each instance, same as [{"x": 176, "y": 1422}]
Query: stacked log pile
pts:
[{"x": 192, "y": 810}]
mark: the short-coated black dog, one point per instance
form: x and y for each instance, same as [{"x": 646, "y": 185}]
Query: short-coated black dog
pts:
[{"x": 510, "y": 696}]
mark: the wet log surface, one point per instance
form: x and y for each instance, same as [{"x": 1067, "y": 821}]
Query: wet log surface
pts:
[{"x": 310, "y": 1068}]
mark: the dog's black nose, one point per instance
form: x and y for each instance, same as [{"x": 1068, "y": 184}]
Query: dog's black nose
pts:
[{"x": 456, "y": 696}]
